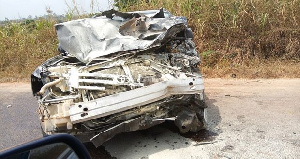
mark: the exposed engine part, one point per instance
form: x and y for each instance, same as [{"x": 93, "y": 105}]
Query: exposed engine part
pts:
[{"x": 121, "y": 72}]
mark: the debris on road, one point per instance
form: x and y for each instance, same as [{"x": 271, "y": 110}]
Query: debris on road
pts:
[{"x": 204, "y": 143}]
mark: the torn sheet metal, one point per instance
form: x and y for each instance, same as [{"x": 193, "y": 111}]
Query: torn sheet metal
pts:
[
  {"x": 121, "y": 72},
  {"x": 89, "y": 38}
]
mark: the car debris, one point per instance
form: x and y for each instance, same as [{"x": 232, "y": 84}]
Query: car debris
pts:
[{"x": 120, "y": 72}]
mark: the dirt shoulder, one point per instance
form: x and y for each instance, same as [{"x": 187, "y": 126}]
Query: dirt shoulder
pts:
[
  {"x": 273, "y": 69},
  {"x": 257, "y": 118}
]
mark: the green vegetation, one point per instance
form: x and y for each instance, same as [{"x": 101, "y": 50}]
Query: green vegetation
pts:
[{"x": 252, "y": 39}]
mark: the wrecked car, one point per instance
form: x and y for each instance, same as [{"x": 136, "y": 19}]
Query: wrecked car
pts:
[{"x": 120, "y": 72}]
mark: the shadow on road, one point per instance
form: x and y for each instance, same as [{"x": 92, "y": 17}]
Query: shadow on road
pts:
[{"x": 213, "y": 115}]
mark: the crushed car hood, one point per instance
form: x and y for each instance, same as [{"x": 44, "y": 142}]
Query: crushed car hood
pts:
[
  {"x": 90, "y": 38},
  {"x": 120, "y": 72}
]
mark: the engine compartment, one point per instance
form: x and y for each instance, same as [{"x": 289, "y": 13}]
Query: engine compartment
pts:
[{"x": 97, "y": 94}]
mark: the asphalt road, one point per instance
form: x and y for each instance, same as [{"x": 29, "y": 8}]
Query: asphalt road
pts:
[
  {"x": 18, "y": 115},
  {"x": 247, "y": 119}
]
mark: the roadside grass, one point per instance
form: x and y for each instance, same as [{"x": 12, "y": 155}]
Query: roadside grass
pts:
[
  {"x": 25, "y": 45},
  {"x": 237, "y": 29},
  {"x": 250, "y": 39},
  {"x": 244, "y": 39}
]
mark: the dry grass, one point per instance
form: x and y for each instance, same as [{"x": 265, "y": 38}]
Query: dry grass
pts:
[
  {"x": 252, "y": 39},
  {"x": 243, "y": 29},
  {"x": 24, "y": 46}
]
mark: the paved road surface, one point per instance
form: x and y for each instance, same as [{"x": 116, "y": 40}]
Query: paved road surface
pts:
[
  {"x": 249, "y": 118},
  {"x": 18, "y": 118}
]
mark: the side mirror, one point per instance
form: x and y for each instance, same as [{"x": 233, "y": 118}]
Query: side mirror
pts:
[{"x": 59, "y": 146}]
